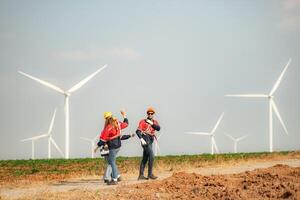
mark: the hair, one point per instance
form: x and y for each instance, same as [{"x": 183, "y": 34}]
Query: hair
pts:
[{"x": 112, "y": 121}]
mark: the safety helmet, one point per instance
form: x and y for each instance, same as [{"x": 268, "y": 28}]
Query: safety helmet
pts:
[
  {"x": 150, "y": 110},
  {"x": 107, "y": 115}
]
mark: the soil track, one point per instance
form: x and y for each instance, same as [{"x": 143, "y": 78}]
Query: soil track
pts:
[{"x": 223, "y": 182}]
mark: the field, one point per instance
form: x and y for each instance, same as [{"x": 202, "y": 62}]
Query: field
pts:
[{"x": 179, "y": 178}]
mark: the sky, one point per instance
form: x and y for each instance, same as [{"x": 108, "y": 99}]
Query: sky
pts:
[{"x": 180, "y": 57}]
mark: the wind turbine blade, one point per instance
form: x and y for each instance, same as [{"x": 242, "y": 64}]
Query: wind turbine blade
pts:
[
  {"x": 215, "y": 145},
  {"x": 280, "y": 78},
  {"x": 41, "y": 136},
  {"x": 229, "y": 136},
  {"x": 241, "y": 138},
  {"x": 52, "y": 122},
  {"x": 157, "y": 146},
  {"x": 247, "y": 95},
  {"x": 96, "y": 137},
  {"x": 217, "y": 124},
  {"x": 84, "y": 81},
  {"x": 27, "y": 139},
  {"x": 35, "y": 138},
  {"x": 44, "y": 83},
  {"x": 197, "y": 133},
  {"x": 159, "y": 136},
  {"x": 56, "y": 146},
  {"x": 278, "y": 116}
]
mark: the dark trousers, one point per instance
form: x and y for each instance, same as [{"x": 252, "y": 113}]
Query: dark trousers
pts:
[{"x": 148, "y": 156}]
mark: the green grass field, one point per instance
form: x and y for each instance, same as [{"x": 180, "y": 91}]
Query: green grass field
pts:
[{"x": 89, "y": 166}]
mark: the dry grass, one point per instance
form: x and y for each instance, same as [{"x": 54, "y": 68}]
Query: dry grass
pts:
[{"x": 20, "y": 172}]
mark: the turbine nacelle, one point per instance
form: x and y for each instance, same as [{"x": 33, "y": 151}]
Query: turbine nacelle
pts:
[{"x": 67, "y": 94}]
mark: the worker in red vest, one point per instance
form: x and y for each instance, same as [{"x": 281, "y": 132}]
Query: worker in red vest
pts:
[{"x": 146, "y": 133}]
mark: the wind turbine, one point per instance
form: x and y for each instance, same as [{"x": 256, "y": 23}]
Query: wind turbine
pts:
[
  {"x": 67, "y": 95},
  {"x": 47, "y": 135},
  {"x": 236, "y": 140},
  {"x": 156, "y": 148},
  {"x": 211, "y": 134},
  {"x": 272, "y": 105},
  {"x": 92, "y": 142}
]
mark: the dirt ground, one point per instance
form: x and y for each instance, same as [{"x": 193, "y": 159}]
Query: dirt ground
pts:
[
  {"x": 277, "y": 182},
  {"x": 256, "y": 180}
]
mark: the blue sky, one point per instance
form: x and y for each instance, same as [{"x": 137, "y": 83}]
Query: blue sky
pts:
[{"x": 180, "y": 57}]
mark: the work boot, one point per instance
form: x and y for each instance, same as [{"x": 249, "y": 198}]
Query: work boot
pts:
[
  {"x": 142, "y": 177},
  {"x": 119, "y": 179},
  {"x": 112, "y": 182},
  {"x": 106, "y": 180},
  {"x": 152, "y": 177}
]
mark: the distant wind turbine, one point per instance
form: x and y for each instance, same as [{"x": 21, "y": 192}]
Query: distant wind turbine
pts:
[
  {"x": 272, "y": 105},
  {"x": 47, "y": 135},
  {"x": 156, "y": 148},
  {"x": 211, "y": 134},
  {"x": 67, "y": 95},
  {"x": 92, "y": 143},
  {"x": 236, "y": 140}
]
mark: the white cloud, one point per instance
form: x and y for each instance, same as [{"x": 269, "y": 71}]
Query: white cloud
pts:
[
  {"x": 290, "y": 4},
  {"x": 127, "y": 53},
  {"x": 290, "y": 20},
  {"x": 84, "y": 55},
  {"x": 290, "y": 23}
]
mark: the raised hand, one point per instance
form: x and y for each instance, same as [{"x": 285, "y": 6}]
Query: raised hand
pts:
[{"x": 123, "y": 113}]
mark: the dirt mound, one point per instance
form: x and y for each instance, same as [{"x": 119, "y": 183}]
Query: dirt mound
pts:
[{"x": 278, "y": 182}]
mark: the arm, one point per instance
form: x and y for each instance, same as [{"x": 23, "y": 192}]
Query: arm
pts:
[
  {"x": 140, "y": 128},
  {"x": 125, "y": 137},
  {"x": 100, "y": 143},
  {"x": 156, "y": 126},
  {"x": 124, "y": 124},
  {"x": 138, "y": 133}
]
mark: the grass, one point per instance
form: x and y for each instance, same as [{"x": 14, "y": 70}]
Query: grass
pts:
[{"x": 13, "y": 170}]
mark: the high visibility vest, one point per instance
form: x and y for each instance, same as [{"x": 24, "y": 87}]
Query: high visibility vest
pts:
[
  {"x": 110, "y": 132},
  {"x": 146, "y": 128}
]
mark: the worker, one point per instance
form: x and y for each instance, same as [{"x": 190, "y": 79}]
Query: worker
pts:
[
  {"x": 110, "y": 139},
  {"x": 146, "y": 133}
]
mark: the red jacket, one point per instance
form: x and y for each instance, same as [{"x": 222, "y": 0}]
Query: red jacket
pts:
[
  {"x": 147, "y": 128},
  {"x": 110, "y": 132}
]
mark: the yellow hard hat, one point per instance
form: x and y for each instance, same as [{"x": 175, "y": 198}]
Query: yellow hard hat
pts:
[{"x": 107, "y": 115}]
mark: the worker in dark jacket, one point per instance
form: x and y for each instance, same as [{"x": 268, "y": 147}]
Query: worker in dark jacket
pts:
[{"x": 146, "y": 133}]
